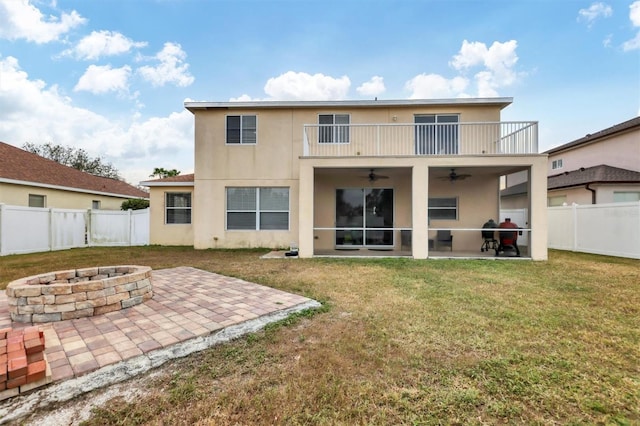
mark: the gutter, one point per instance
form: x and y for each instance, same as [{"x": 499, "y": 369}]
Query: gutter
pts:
[{"x": 593, "y": 193}]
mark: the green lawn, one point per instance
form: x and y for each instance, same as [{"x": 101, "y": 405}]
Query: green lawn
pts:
[{"x": 401, "y": 342}]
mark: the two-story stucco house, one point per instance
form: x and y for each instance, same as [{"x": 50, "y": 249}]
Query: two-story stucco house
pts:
[{"x": 405, "y": 177}]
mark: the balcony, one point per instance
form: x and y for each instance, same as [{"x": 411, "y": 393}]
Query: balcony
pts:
[{"x": 388, "y": 140}]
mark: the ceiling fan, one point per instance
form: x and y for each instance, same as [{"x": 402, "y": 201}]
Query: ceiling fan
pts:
[
  {"x": 453, "y": 176},
  {"x": 372, "y": 176}
]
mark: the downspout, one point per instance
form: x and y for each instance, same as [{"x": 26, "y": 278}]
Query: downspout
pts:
[{"x": 593, "y": 193}]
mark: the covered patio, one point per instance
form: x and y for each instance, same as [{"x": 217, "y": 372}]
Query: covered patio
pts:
[{"x": 368, "y": 209}]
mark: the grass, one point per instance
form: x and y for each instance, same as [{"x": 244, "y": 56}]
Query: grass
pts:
[{"x": 400, "y": 341}]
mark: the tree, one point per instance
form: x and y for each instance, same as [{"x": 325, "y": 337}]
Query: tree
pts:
[
  {"x": 134, "y": 204},
  {"x": 77, "y": 158},
  {"x": 162, "y": 173}
]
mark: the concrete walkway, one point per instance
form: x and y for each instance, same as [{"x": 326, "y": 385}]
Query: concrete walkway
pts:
[{"x": 191, "y": 310}]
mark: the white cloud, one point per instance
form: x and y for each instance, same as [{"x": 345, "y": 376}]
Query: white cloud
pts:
[
  {"x": 634, "y": 13},
  {"x": 244, "y": 98},
  {"x": 302, "y": 86},
  {"x": 373, "y": 87},
  {"x": 171, "y": 68},
  {"x": 634, "y": 16},
  {"x": 100, "y": 79},
  {"x": 498, "y": 62},
  {"x": 593, "y": 12},
  {"x": 32, "y": 112},
  {"x": 496, "y": 70},
  {"x": 471, "y": 54},
  {"x": 498, "y": 57},
  {"x": 22, "y": 20},
  {"x": 434, "y": 86},
  {"x": 102, "y": 43}
]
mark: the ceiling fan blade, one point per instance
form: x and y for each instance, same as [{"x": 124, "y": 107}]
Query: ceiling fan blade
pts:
[
  {"x": 372, "y": 176},
  {"x": 453, "y": 176}
]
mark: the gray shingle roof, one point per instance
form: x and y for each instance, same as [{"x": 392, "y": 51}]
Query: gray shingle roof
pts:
[
  {"x": 618, "y": 128},
  {"x": 180, "y": 180},
  {"x": 595, "y": 174},
  {"x": 19, "y": 165}
]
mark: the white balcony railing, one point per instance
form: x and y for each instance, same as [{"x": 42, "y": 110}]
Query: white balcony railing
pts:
[{"x": 497, "y": 138}]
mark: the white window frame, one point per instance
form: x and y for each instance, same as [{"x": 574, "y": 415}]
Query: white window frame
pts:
[
  {"x": 43, "y": 198},
  {"x": 340, "y": 132},
  {"x": 167, "y": 207},
  {"x": 556, "y": 164},
  {"x": 95, "y": 204},
  {"x": 241, "y": 141},
  {"x": 455, "y": 208},
  {"x": 625, "y": 194},
  {"x": 258, "y": 210},
  {"x": 556, "y": 200}
]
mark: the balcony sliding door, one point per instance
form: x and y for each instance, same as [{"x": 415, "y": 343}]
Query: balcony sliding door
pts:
[{"x": 436, "y": 134}]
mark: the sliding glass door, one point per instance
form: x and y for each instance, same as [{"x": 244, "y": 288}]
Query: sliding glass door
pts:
[{"x": 364, "y": 217}]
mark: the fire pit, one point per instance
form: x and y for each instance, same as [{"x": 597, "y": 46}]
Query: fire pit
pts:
[{"x": 78, "y": 293}]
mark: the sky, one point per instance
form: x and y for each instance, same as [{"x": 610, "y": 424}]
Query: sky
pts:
[{"x": 112, "y": 76}]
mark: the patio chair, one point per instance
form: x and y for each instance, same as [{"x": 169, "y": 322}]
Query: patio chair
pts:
[{"x": 444, "y": 238}]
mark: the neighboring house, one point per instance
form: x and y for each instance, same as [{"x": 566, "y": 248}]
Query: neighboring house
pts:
[
  {"x": 171, "y": 203},
  {"x": 26, "y": 179},
  {"x": 599, "y": 168},
  {"x": 351, "y": 177},
  {"x": 603, "y": 167}
]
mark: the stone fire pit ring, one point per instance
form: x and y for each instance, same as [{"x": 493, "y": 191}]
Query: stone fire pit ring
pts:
[{"x": 78, "y": 293}]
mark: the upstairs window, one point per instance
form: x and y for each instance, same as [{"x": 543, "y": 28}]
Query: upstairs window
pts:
[
  {"x": 556, "y": 164},
  {"x": 334, "y": 128},
  {"x": 177, "y": 207},
  {"x": 241, "y": 129}
]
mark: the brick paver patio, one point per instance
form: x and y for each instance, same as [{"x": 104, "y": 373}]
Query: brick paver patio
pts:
[{"x": 188, "y": 303}]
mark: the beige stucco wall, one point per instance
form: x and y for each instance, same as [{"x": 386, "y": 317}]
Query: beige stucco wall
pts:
[
  {"x": 18, "y": 195},
  {"x": 618, "y": 151},
  {"x": 272, "y": 161},
  {"x": 210, "y": 216},
  {"x": 176, "y": 234},
  {"x": 280, "y": 137}
]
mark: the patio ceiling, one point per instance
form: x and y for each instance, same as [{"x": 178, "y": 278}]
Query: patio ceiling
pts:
[{"x": 434, "y": 172}]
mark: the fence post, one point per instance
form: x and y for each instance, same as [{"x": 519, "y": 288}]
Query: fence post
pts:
[
  {"x": 1, "y": 233},
  {"x": 574, "y": 218},
  {"x": 51, "y": 232},
  {"x": 87, "y": 225},
  {"x": 130, "y": 216}
]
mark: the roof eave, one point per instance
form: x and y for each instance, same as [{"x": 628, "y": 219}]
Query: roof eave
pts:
[
  {"x": 156, "y": 184},
  {"x": 502, "y": 102},
  {"x": 69, "y": 189}
]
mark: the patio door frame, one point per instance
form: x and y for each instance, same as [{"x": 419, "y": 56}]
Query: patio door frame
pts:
[{"x": 362, "y": 231}]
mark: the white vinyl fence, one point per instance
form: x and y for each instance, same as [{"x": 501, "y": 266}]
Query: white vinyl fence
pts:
[
  {"x": 31, "y": 230},
  {"x": 608, "y": 229}
]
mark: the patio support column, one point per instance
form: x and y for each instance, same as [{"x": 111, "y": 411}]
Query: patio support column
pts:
[
  {"x": 305, "y": 210},
  {"x": 419, "y": 212},
  {"x": 538, "y": 209}
]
